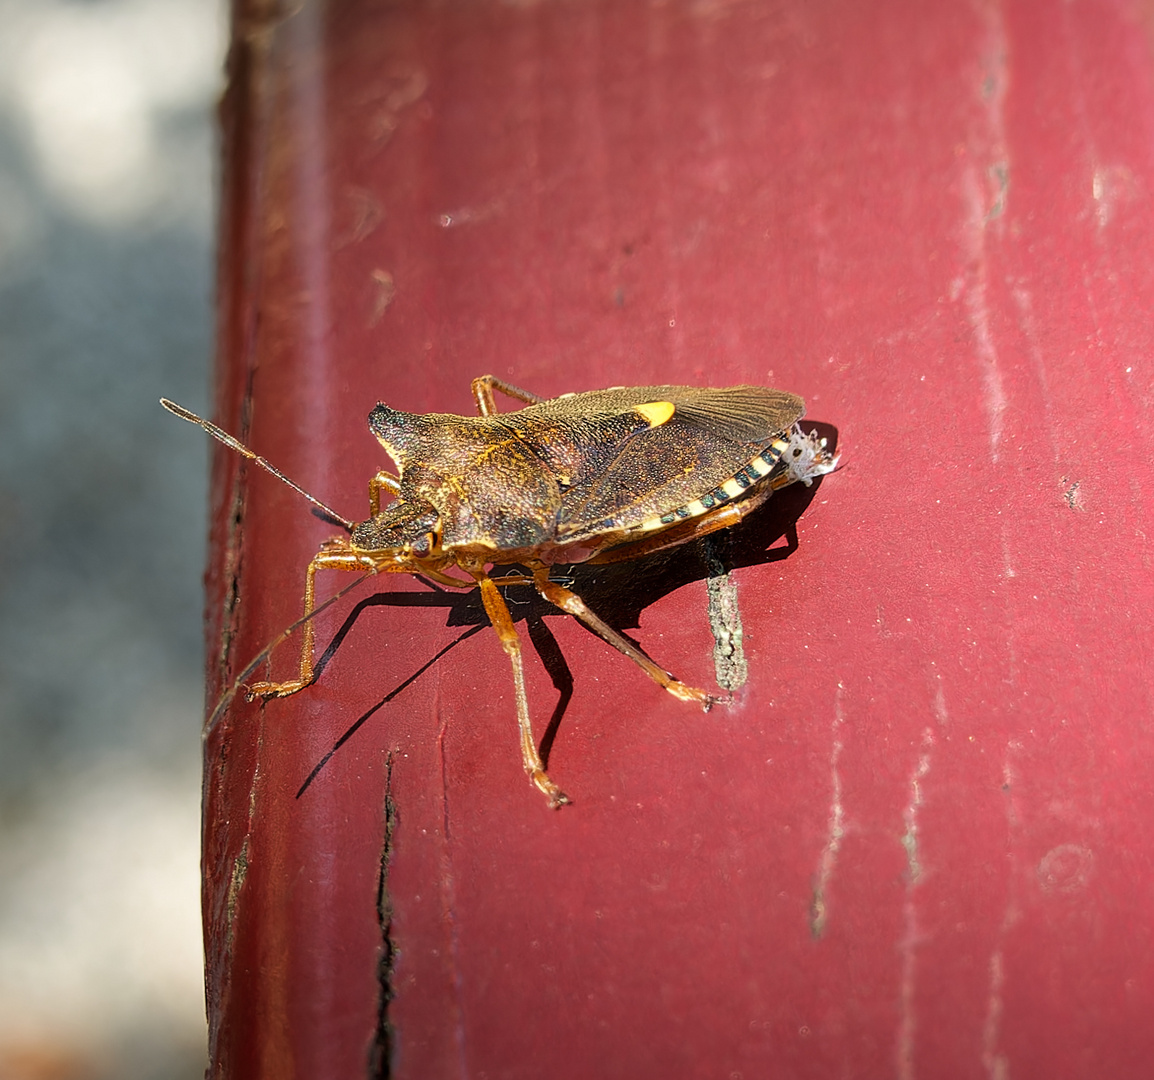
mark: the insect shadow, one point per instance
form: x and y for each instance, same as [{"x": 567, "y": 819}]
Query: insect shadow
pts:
[{"x": 618, "y": 592}]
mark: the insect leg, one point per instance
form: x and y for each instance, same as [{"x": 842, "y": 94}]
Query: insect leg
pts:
[
  {"x": 335, "y": 555},
  {"x": 571, "y": 603},
  {"x": 382, "y": 480},
  {"x": 503, "y": 623},
  {"x": 483, "y": 388},
  {"x": 442, "y": 579}
]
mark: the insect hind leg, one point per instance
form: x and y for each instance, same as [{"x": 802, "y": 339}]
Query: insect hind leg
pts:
[
  {"x": 483, "y": 387},
  {"x": 572, "y": 604},
  {"x": 502, "y": 621}
]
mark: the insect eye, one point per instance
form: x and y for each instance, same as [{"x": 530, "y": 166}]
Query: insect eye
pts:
[{"x": 797, "y": 451}]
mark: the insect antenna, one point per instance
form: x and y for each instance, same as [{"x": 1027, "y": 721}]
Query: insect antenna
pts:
[{"x": 235, "y": 444}]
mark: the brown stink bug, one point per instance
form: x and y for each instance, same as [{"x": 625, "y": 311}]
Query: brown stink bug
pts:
[{"x": 595, "y": 477}]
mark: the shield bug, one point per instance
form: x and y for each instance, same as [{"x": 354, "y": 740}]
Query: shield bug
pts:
[{"x": 595, "y": 477}]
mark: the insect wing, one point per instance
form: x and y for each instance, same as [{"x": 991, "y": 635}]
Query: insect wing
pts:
[
  {"x": 711, "y": 436},
  {"x": 740, "y": 413}
]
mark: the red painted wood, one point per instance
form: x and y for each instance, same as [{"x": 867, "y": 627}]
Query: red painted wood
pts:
[{"x": 919, "y": 842}]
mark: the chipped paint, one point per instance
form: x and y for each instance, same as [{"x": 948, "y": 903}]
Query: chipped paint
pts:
[{"x": 730, "y": 666}]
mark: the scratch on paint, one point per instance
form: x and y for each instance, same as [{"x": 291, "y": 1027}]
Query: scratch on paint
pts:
[
  {"x": 996, "y": 1064},
  {"x": 1098, "y": 189},
  {"x": 910, "y": 813},
  {"x": 977, "y": 309},
  {"x": 940, "y": 713},
  {"x": 999, "y": 173},
  {"x": 1024, "y": 301},
  {"x": 1007, "y": 559},
  {"x": 819, "y": 913},
  {"x": 986, "y": 200},
  {"x": 909, "y": 942},
  {"x": 1111, "y": 186}
]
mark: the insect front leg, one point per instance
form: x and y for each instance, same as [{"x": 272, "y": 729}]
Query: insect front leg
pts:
[
  {"x": 335, "y": 555},
  {"x": 571, "y": 603},
  {"x": 502, "y": 622}
]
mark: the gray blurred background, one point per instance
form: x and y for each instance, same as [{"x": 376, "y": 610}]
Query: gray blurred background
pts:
[{"x": 107, "y": 175}]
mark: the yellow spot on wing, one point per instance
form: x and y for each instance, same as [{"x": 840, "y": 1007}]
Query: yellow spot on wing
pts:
[{"x": 656, "y": 413}]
